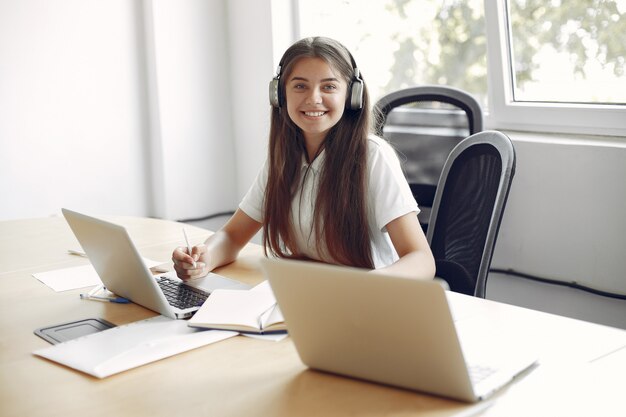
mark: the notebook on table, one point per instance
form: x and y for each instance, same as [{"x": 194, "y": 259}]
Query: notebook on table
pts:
[
  {"x": 389, "y": 330},
  {"x": 122, "y": 270}
]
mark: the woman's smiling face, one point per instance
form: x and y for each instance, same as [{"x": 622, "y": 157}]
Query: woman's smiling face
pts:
[{"x": 315, "y": 96}]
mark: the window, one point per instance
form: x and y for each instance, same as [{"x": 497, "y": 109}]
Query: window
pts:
[
  {"x": 527, "y": 48},
  {"x": 543, "y": 65},
  {"x": 573, "y": 52},
  {"x": 401, "y": 43}
]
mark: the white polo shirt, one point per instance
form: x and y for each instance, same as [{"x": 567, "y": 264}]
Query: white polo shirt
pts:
[{"x": 388, "y": 197}]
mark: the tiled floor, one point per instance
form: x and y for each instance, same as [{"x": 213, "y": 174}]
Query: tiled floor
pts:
[
  {"x": 557, "y": 299},
  {"x": 535, "y": 295}
]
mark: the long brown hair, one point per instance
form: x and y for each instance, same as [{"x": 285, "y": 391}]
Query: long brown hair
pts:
[{"x": 340, "y": 213}]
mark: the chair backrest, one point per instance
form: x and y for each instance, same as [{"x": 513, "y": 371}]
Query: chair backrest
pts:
[
  {"x": 434, "y": 93},
  {"x": 468, "y": 207},
  {"x": 425, "y": 136}
]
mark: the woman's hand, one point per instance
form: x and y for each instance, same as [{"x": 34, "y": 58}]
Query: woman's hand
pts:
[
  {"x": 221, "y": 248},
  {"x": 184, "y": 262}
]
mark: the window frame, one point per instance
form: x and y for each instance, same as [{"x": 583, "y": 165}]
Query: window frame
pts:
[{"x": 506, "y": 113}]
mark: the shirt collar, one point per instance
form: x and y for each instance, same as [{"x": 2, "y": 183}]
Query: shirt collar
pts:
[{"x": 317, "y": 163}]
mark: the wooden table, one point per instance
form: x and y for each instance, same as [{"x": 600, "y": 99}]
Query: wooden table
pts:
[{"x": 582, "y": 367}]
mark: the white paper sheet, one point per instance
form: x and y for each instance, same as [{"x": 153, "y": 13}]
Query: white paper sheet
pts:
[
  {"x": 77, "y": 276},
  {"x": 272, "y": 337},
  {"x": 69, "y": 278},
  {"x": 125, "y": 347}
]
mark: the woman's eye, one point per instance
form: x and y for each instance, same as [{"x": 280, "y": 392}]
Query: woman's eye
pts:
[
  {"x": 299, "y": 86},
  {"x": 330, "y": 87}
]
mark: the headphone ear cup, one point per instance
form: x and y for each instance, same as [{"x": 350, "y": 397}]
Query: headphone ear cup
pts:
[
  {"x": 273, "y": 92},
  {"x": 356, "y": 95}
]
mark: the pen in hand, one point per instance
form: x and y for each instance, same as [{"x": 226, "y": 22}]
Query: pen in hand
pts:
[{"x": 188, "y": 246}]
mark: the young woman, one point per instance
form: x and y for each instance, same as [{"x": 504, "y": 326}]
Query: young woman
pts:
[{"x": 329, "y": 189}]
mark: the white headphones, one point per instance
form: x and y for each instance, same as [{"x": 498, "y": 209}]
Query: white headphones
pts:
[{"x": 354, "y": 98}]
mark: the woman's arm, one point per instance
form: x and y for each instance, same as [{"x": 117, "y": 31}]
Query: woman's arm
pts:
[
  {"x": 416, "y": 259},
  {"x": 219, "y": 249}
]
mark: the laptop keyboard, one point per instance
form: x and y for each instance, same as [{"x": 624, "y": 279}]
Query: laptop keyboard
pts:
[
  {"x": 180, "y": 295},
  {"x": 477, "y": 373}
]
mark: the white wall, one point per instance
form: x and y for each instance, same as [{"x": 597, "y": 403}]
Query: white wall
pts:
[
  {"x": 251, "y": 69},
  {"x": 72, "y": 114},
  {"x": 564, "y": 218},
  {"x": 194, "y": 169},
  {"x": 124, "y": 107}
]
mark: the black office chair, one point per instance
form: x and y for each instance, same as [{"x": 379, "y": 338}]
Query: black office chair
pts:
[
  {"x": 425, "y": 135},
  {"x": 468, "y": 207}
]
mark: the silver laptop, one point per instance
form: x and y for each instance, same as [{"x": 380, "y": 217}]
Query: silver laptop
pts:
[
  {"x": 389, "y": 330},
  {"x": 122, "y": 270}
]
